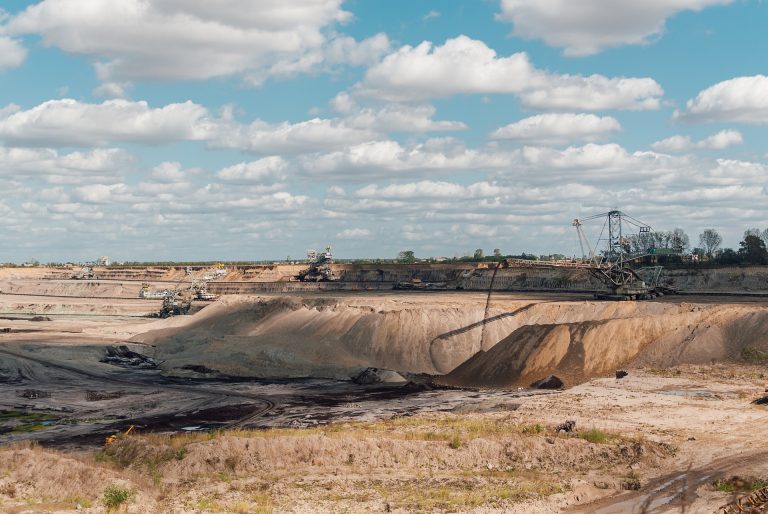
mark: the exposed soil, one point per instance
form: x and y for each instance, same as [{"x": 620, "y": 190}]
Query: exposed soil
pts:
[{"x": 679, "y": 430}]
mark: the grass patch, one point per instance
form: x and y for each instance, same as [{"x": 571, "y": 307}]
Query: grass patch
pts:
[
  {"x": 28, "y": 427},
  {"x": 460, "y": 496},
  {"x": 12, "y": 415},
  {"x": 115, "y": 495},
  {"x": 595, "y": 436},
  {"x": 739, "y": 484},
  {"x": 455, "y": 442},
  {"x": 753, "y": 355}
]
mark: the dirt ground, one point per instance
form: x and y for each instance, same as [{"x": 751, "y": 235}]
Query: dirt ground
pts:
[
  {"x": 681, "y": 440},
  {"x": 668, "y": 437}
]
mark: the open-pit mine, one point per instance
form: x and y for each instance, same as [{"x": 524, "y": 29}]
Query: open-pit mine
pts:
[{"x": 382, "y": 388}]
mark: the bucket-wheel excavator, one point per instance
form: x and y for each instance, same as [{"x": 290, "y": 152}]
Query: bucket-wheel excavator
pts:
[{"x": 622, "y": 240}]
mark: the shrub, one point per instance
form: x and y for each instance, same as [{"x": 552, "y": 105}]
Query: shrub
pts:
[
  {"x": 455, "y": 442},
  {"x": 594, "y": 435},
  {"x": 115, "y": 495}
]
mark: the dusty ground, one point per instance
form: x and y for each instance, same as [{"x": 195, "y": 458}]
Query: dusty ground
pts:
[
  {"x": 669, "y": 435},
  {"x": 647, "y": 429}
]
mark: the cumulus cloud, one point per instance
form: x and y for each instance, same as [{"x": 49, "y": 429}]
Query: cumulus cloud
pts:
[
  {"x": 110, "y": 90},
  {"x": 558, "y": 128},
  {"x": 68, "y": 122},
  {"x": 739, "y": 100},
  {"x": 354, "y": 233},
  {"x": 390, "y": 158},
  {"x": 177, "y": 40},
  {"x": 718, "y": 141},
  {"x": 268, "y": 169},
  {"x": 12, "y": 54},
  {"x": 106, "y": 165},
  {"x": 589, "y": 26},
  {"x": 467, "y": 66}
]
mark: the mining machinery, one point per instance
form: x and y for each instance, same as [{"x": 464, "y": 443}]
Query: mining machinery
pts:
[
  {"x": 176, "y": 303},
  {"x": 622, "y": 241},
  {"x": 612, "y": 264},
  {"x": 85, "y": 273},
  {"x": 319, "y": 267}
]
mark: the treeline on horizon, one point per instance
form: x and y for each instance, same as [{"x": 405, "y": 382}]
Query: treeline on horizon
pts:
[{"x": 671, "y": 247}]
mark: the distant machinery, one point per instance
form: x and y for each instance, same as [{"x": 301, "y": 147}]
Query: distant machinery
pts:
[
  {"x": 622, "y": 241},
  {"x": 145, "y": 292},
  {"x": 179, "y": 300},
  {"x": 85, "y": 273},
  {"x": 319, "y": 267}
]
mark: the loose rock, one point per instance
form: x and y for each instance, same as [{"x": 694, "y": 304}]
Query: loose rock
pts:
[
  {"x": 550, "y": 382},
  {"x": 378, "y": 376}
]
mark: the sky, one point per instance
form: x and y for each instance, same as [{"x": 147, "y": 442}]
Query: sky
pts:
[{"x": 151, "y": 130}]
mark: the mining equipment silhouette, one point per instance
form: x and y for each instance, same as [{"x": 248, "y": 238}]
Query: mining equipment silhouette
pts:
[{"x": 622, "y": 242}]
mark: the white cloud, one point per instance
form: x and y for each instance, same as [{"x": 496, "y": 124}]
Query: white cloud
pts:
[
  {"x": 461, "y": 65},
  {"x": 739, "y": 100},
  {"x": 170, "y": 172},
  {"x": 718, "y": 141},
  {"x": 12, "y": 54},
  {"x": 401, "y": 118},
  {"x": 429, "y": 189},
  {"x": 110, "y": 90},
  {"x": 104, "y": 165},
  {"x": 312, "y": 135},
  {"x": 467, "y": 66},
  {"x": 388, "y": 158},
  {"x": 722, "y": 139},
  {"x": 338, "y": 51},
  {"x": 594, "y": 93},
  {"x": 68, "y": 122},
  {"x": 268, "y": 169},
  {"x": 558, "y": 128},
  {"x": 354, "y": 233},
  {"x": 589, "y": 26},
  {"x": 179, "y": 40}
]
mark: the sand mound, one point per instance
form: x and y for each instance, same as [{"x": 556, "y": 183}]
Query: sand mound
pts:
[
  {"x": 577, "y": 351},
  {"x": 439, "y": 334},
  {"x": 324, "y": 337}
]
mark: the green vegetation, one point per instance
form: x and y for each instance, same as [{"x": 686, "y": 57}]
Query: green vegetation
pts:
[
  {"x": 463, "y": 495},
  {"x": 115, "y": 495},
  {"x": 455, "y": 442},
  {"x": 12, "y": 415},
  {"x": 595, "y": 436},
  {"x": 739, "y": 484},
  {"x": 24, "y": 422},
  {"x": 753, "y": 355}
]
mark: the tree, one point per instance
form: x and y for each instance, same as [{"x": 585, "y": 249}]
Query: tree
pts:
[
  {"x": 679, "y": 241},
  {"x": 406, "y": 257},
  {"x": 753, "y": 250},
  {"x": 710, "y": 240},
  {"x": 496, "y": 252},
  {"x": 478, "y": 254},
  {"x": 727, "y": 256}
]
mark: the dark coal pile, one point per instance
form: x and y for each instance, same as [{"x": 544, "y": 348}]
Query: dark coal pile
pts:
[{"x": 122, "y": 356}]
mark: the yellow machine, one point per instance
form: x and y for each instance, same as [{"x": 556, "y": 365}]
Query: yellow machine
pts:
[{"x": 111, "y": 439}]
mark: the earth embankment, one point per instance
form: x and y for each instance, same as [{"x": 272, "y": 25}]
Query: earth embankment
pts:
[{"x": 522, "y": 338}]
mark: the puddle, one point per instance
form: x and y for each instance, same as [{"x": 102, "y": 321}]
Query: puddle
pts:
[
  {"x": 697, "y": 393},
  {"x": 660, "y": 496}
]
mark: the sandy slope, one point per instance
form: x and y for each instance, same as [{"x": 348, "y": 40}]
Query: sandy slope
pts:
[{"x": 525, "y": 339}]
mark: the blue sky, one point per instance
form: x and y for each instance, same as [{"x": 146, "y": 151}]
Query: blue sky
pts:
[{"x": 159, "y": 129}]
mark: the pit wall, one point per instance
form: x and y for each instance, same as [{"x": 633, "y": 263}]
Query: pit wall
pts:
[{"x": 473, "y": 276}]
